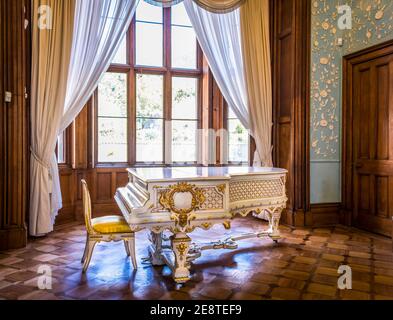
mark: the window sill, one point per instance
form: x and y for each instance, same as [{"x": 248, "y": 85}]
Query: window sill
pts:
[
  {"x": 158, "y": 165},
  {"x": 117, "y": 165},
  {"x": 64, "y": 166}
]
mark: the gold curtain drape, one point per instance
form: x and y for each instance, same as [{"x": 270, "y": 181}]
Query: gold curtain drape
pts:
[
  {"x": 254, "y": 20},
  {"x": 216, "y": 6},
  {"x": 219, "y": 6},
  {"x": 52, "y": 34}
]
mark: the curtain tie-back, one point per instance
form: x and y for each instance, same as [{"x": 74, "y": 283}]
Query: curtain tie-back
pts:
[
  {"x": 40, "y": 161},
  {"x": 266, "y": 160},
  {"x": 45, "y": 165}
]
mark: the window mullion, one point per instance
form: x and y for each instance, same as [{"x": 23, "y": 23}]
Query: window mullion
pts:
[
  {"x": 132, "y": 94},
  {"x": 167, "y": 87}
]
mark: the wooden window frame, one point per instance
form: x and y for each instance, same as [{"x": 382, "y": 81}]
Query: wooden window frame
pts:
[
  {"x": 67, "y": 148},
  {"x": 226, "y": 119},
  {"x": 131, "y": 70}
]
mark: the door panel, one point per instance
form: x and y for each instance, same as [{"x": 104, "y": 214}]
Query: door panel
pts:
[
  {"x": 372, "y": 96},
  {"x": 383, "y": 112},
  {"x": 382, "y": 183}
]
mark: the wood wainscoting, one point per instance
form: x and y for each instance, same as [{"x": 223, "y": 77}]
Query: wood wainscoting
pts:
[
  {"x": 325, "y": 214},
  {"x": 102, "y": 183},
  {"x": 14, "y": 162},
  {"x": 80, "y": 164},
  {"x": 290, "y": 38}
]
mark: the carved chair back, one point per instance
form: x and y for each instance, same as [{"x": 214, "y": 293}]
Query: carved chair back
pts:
[{"x": 87, "y": 207}]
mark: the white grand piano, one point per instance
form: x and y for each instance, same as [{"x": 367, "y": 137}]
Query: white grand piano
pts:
[{"x": 180, "y": 199}]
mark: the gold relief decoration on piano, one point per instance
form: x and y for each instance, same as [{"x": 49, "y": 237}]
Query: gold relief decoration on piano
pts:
[
  {"x": 221, "y": 188},
  {"x": 227, "y": 225},
  {"x": 244, "y": 213},
  {"x": 182, "y": 216},
  {"x": 188, "y": 229},
  {"x": 206, "y": 225},
  {"x": 181, "y": 248},
  {"x": 160, "y": 192},
  {"x": 135, "y": 228},
  {"x": 168, "y": 202}
]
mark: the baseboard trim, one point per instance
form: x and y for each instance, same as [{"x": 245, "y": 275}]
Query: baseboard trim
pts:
[
  {"x": 324, "y": 214},
  {"x": 13, "y": 238}
]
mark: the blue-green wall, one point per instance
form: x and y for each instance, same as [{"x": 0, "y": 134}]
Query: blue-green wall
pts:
[{"x": 372, "y": 23}]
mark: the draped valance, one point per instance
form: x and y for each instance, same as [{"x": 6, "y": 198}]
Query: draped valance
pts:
[
  {"x": 216, "y": 6},
  {"x": 163, "y": 3}
]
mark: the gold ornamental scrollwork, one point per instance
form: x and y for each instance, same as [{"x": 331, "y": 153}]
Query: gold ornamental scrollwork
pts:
[
  {"x": 182, "y": 216},
  {"x": 206, "y": 225},
  {"x": 182, "y": 247},
  {"x": 221, "y": 188},
  {"x": 227, "y": 225}
]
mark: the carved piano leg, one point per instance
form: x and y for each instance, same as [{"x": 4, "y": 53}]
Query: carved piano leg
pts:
[
  {"x": 274, "y": 222},
  {"x": 155, "y": 249},
  {"x": 131, "y": 251},
  {"x": 181, "y": 246}
]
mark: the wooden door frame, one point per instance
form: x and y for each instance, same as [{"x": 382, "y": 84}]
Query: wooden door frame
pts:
[{"x": 349, "y": 61}]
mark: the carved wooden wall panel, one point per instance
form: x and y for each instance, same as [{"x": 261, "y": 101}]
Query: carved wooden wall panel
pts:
[
  {"x": 13, "y": 126},
  {"x": 102, "y": 184},
  {"x": 121, "y": 179},
  {"x": 290, "y": 34}
]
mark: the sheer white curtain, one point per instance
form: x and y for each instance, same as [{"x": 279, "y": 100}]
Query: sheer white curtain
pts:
[
  {"x": 98, "y": 28},
  {"x": 219, "y": 38},
  {"x": 219, "y": 35}
]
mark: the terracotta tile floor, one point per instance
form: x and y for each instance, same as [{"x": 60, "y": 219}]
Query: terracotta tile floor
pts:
[{"x": 302, "y": 266}]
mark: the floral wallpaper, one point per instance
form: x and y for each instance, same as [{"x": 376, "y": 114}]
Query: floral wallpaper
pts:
[{"x": 372, "y": 23}]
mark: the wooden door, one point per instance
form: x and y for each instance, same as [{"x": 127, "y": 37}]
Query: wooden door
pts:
[{"x": 372, "y": 143}]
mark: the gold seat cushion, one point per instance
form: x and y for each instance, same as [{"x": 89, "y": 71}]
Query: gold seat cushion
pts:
[{"x": 110, "y": 224}]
